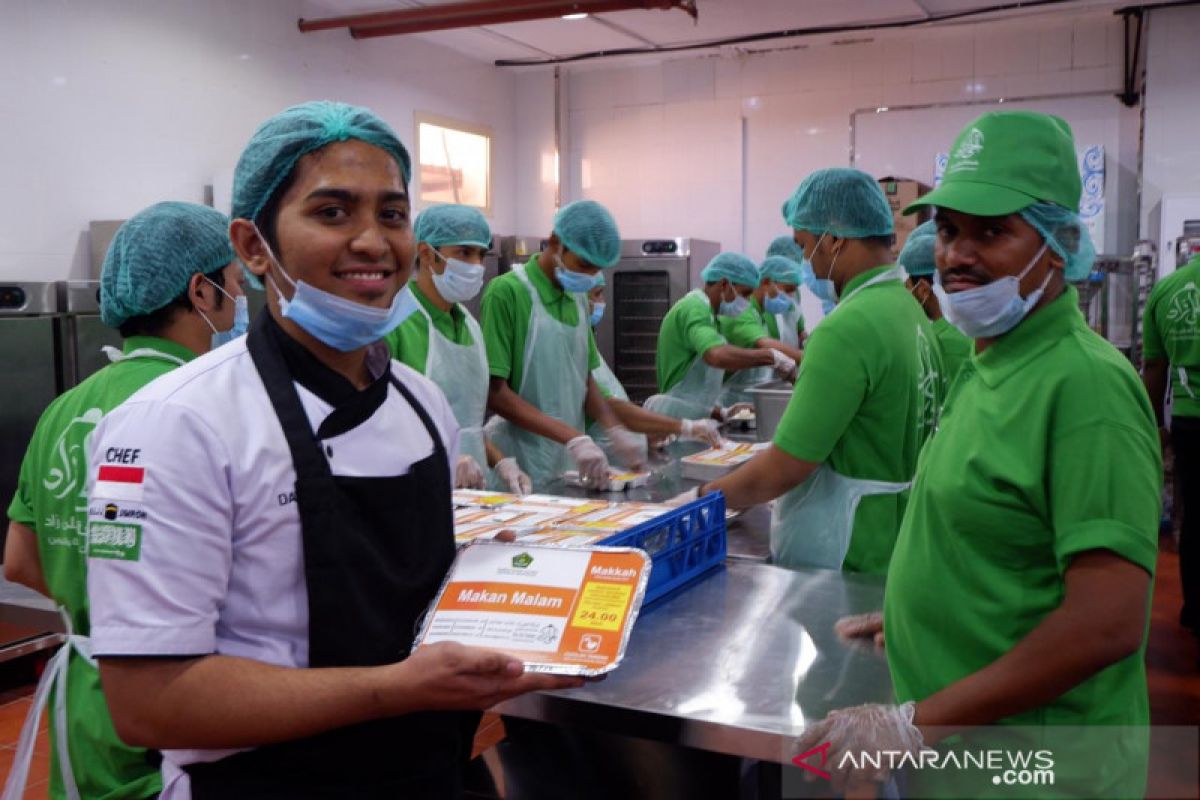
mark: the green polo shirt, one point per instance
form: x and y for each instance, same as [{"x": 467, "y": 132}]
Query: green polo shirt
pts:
[
  {"x": 409, "y": 342},
  {"x": 747, "y": 328},
  {"x": 687, "y": 331},
  {"x": 867, "y": 396},
  {"x": 1047, "y": 448},
  {"x": 51, "y": 499},
  {"x": 955, "y": 349},
  {"x": 506, "y": 310},
  {"x": 1172, "y": 332}
]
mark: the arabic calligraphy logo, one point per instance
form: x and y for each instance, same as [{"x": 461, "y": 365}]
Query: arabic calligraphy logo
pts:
[
  {"x": 68, "y": 469},
  {"x": 928, "y": 386},
  {"x": 971, "y": 145},
  {"x": 1185, "y": 306}
]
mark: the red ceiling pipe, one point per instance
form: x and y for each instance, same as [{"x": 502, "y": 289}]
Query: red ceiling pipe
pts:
[{"x": 476, "y": 13}]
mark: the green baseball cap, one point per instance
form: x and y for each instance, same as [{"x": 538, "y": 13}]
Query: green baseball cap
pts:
[{"x": 1005, "y": 161}]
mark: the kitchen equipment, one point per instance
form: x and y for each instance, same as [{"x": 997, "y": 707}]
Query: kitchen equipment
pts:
[
  {"x": 1113, "y": 297},
  {"x": 652, "y": 275},
  {"x": 83, "y": 334},
  {"x": 770, "y": 401}
]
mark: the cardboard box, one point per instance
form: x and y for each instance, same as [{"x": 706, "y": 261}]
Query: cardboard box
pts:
[{"x": 899, "y": 193}]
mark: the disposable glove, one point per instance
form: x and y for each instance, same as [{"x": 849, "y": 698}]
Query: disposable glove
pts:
[
  {"x": 702, "y": 430},
  {"x": 871, "y": 728},
  {"x": 626, "y": 445},
  {"x": 509, "y": 471},
  {"x": 785, "y": 366},
  {"x": 728, "y": 412},
  {"x": 589, "y": 460},
  {"x": 468, "y": 474}
]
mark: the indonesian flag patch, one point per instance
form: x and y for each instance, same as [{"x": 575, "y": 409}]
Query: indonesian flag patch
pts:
[{"x": 119, "y": 483}]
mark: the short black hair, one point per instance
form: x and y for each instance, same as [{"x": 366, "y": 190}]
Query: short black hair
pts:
[{"x": 157, "y": 321}]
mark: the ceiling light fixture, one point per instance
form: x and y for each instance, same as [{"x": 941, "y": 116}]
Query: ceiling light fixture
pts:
[{"x": 574, "y": 16}]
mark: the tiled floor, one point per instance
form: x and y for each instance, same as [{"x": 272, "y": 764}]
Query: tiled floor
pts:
[{"x": 1172, "y": 659}]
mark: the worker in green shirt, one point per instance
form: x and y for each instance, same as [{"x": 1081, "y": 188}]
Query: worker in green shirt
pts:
[
  {"x": 1171, "y": 345},
  {"x": 750, "y": 330},
  {"x": 541, "y": 353},
  {"x": 171, "y": 286},
  {"x": 917, "y": 259},
  {"x": 866, "y": 397},
  {"x": 654, "y": 429},
  {"x": 443, "y": 341},
  {"x": 1018, "y": 596},
  {"x": 788, "y": 327},
  {"x": 692, "y": 352}
]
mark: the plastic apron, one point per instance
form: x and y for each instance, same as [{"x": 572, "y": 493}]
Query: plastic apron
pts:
[
  {"x": 555, "y": 381},
  {"x": 811, "y": 524},
  {"x": 611, "y": 387},
  {"x": 736, "y": 389},
  {"x": 55, "y": 677},
  {"x": 696, "y": 393},
  {"x": 461, "y": 372},
  {"x": 786, "y": 323}
]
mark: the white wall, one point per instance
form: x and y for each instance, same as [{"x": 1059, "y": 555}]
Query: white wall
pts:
[
  {"x": 1171, "y": 160},
  {"x": 672, "y": 147},
  {"x": 107, "y": 106},
  {"x": 534, "y": 154}
]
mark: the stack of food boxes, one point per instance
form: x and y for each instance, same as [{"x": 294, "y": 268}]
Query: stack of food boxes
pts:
[{"x": 546, "y": 519}]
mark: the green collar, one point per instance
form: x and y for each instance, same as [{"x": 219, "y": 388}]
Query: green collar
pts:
[
  {"x": 550, "y": 294},
  {"x": 155, "y": 343},
  {"x": 862, "y": 277},
  {"x": 1034, "y": 335},
  {"x": 435, "y": 313}
]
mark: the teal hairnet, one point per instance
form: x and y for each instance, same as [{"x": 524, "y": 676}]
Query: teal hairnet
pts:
[
  {"x": 917, "y": 254},
  {"x": 780, "y": 270},
  {"x": 154, "y": 255},
  {"x": 1066, "y": 234},
  {"x": 588, "y": 230},
  {"x": 739, "y": 269},
  {"x": 786, "y": 246},
  {"x": 440, "y": 226},
  {"x": 278, "y": 144},
  {"x": 841, "y": 202}
]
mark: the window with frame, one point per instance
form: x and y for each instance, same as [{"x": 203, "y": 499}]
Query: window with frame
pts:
[{"x": 455, "y": 163}]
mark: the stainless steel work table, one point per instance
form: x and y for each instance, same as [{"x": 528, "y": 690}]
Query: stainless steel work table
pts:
[{"x": 737, "y": 663}]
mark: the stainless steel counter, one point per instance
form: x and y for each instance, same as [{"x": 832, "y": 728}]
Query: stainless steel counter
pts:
[{"x": 736, "y": 664}]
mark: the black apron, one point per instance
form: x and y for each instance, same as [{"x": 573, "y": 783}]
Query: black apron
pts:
[{"x": 375, "y": 552}]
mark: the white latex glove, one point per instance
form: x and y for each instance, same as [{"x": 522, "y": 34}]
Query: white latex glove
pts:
[
  {"x": 785, "y": 366},
  {"x": 733, "y": 410},
  {"x": 626, "y": 445},
  {"x": 468, "y": 474},
  {"x": 509, "y": 471},
  {"x": 589, "y": 460},
  {"x": 869, "y": 728},
  {"x": 685, "y": 498},
  {"x": 702, "y": 430}
]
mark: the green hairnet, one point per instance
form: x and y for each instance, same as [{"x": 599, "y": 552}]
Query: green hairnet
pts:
[
  {"x": 278, "y": 144},
  {"x": 917, "y": 254},
  {"x": 841, "y": 202},
  {"x": 786, "y": 246},
  {"x": 587, "y": 229},
  {"x": 452, "y": 224},
  {"x": 780, "y": 269},
  {"x": 739, "y": 269},
  {"x": 154, "y": 255},
  {"x": 1066, "y": 235}
]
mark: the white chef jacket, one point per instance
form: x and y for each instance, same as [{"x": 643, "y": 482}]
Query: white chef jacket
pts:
[{"x": 203, "y": 553}]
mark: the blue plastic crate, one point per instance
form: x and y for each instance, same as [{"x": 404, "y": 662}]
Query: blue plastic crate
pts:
[{"x": 683, "y": 544}]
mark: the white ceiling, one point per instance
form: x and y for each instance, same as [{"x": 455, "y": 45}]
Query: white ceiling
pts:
[{"x": 718, "y": 19}]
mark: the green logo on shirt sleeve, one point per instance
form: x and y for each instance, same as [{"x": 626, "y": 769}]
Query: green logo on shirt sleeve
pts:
[{"x": 114, "y": 540}]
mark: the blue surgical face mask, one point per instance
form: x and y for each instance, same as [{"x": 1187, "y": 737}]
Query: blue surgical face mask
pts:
[
  {"x": 597, "y": 313},
  {"x": 994, "y": 308},
  {"x": 340, "y": 323},
  {"x": 823, "y": 288},
  {"x": 460, "y": 280},
  {"x": 241, "y": 318},
  {"x": 777, "y": 304},
  {"x": 735, "y": 307},
  {"x": 573, "y": 282}
]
